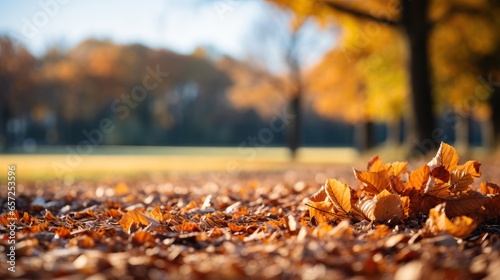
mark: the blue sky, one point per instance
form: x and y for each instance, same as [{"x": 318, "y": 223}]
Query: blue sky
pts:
[{"x": 175, "y": 24}]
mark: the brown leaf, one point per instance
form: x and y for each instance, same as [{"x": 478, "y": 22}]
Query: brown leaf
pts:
[
  {"x": 419, "y": 177},
  {"x": 373, "y": 182},
  {"x": 464, "y": 203},
  {"x": 437, "y": 223},
  {"x": 441, "y": 173},
  {"x": 460, "y": 180},
  {"x": 471, "y": 167},
  {"x": 446, "y": 156},
  {"x": 492, "y": 207},
  {"x": 405, "y": 205},
  {"x": 340, "y": 195},
  {"x": 437, "y": 188}
]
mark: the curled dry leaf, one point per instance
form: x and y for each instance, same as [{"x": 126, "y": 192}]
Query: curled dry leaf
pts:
[
  {"x": 471, "y": 167},
  {"x": 437, "y": 223},
  {"x": 489, "y": 188},
  {"x": 446, "y": 156}
]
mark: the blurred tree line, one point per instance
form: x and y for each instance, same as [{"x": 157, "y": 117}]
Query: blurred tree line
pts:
[
  {"x": 52, "y": 99},
  {"x": 401, "y": 72}
]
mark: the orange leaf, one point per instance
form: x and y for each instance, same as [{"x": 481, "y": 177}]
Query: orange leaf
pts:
[
  {"x": 156, "y": 214},
  {"x": 387, "y": 207},
  {"x": 437, "y": 222},
  {"x": 133, "y": 216},
  {"x": 321, "y": 210},
  {"x": 235, "y": 227},
  {"x": 121, "y": 189},
  {"x": 446, "y": 156},
  {"x": 419, "y": 177},
  {"x": 489, "y": 188},
  {"x": 339, "y": 194},
  {"x": 63, "y": 232},
  {"x": 142, "y": 237},
  {"x": 375, "y": 164},
  {"x": 471, "y": 167},
  {"x": 373, "y": 182}
]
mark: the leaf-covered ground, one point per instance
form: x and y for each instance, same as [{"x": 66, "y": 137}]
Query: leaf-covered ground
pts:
[{"x": 251, "y": 226}]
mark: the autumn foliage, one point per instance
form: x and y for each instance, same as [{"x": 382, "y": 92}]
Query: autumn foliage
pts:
[
  {"x": 262, "y": 225},
  {"x": 441, "y": 190}
]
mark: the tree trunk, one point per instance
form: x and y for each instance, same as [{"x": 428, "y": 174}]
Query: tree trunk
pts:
[
  {"x": 295, "y": 127},
  {"x": 363, "y": 136},
  {"x": 393, "y": 133},
  {"x": 462, "y": 134},
  {"x": 416, "y": 26}
]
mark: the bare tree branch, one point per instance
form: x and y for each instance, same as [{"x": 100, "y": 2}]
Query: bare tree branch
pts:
[{"x": 359, "y": 14}]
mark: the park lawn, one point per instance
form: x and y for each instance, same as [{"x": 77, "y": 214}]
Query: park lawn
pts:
[{"x": 137, "y": 161}]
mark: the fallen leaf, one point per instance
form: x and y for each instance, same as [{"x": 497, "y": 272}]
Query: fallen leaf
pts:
[
  {"x": 460, "y": 226},
  {"x": 446, "y": 156},
  {"x": 419, "y": 177},
  {"x": 387, "y": 207},
  {"x": 464, "y": 203},
  {"x": 471, "y": 167},
  {"x": 373, "y": 182},
  {"x": 460, "y": 180},
  {"x": 340, "y": 195},
  {"x": 489, "y": 188},
  {"x": 321, "y": 210}
]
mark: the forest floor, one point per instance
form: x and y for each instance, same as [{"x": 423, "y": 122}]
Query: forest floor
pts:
[{"x": 252, "y": 224}]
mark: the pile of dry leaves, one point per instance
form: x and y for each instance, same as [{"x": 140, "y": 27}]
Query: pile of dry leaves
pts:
[{"x": 405, "y": 225}]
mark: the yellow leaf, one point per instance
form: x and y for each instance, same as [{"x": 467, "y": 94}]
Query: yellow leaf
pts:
[
  {"x": 339, "y": 194},
  {"x": 437, "y": 223},
  {"x": 373, "y": 182},
  {"x": 397, "y": 168}
]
